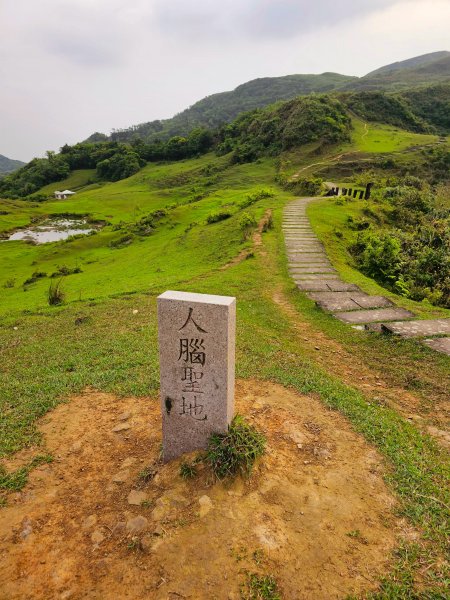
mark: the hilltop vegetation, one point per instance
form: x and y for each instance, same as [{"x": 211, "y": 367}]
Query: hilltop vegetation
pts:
[{"x": 213, "y": 111}]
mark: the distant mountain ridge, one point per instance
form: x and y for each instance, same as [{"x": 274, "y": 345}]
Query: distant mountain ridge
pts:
[
  {"x": 427, "y": 69},
  {"x": 8, "y": 165},
  {"x": 215, "y": 110}
]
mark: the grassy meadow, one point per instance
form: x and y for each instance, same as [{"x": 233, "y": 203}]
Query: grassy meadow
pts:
[{"x": 105, "y": 335}]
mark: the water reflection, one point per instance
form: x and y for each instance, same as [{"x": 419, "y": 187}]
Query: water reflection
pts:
[{"x": 52, "y": 230}]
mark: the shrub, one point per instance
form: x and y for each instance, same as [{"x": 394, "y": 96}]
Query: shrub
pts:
[
  {"x": 215, "y": 217},
  {"x": 247, "y": 223},
  {"x": 235, "y": 451},
  {"x": 305, "y": 186},
  {"x": 124, "y": 240},
  {"x": 268, "y": 223},
  {"x": 55, "y": 294},
  {"x": 34, "y": 277},
  {"x": 64, "y": 270},
  {"x": 255, "y": 197}
]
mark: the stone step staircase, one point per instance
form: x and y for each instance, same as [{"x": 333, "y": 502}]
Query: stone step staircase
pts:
[{"x": 314, "y": 274}]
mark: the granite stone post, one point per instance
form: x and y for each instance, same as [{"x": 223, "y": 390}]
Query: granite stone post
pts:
[{"x": 196, "y": 335}]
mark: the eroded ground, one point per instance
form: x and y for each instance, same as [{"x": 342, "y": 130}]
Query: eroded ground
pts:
[{"x": 316, "y": 513}]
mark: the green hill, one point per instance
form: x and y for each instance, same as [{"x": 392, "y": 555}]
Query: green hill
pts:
[
  {"x": 215, "y": 110},
  {"x": 426, "y": 69},
  {"x": 8, "y": 165}
]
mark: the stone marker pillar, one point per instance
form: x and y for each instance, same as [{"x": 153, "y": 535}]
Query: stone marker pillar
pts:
[{"x": 196, "y": 353}]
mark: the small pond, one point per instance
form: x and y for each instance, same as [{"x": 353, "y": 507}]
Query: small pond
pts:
[{"x": 53, "y": 230}]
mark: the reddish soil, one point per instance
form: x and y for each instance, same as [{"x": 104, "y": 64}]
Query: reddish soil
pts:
[{"x": 315, "y": 513}]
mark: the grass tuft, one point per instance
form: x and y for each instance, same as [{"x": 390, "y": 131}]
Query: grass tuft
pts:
[
  {"x": 235, "y": 451},
  {"x": 14, "y": 482},
  {"x": 260, "y": 587},
  {"x": 188, "y": 470},
  {"x": 56, "y": 295}
]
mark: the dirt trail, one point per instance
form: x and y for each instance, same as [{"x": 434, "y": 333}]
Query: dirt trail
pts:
[
  {"x": 316, "y": 513},
  {"x": 333, "y": 357},
  {"x": 256, "y": 240}
]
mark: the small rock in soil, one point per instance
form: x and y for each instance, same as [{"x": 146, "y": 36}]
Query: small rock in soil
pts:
[
  {"x": 205, "y": 505},
  {"x": 119, "y": 528},
  {"x": 76, "y": 447},
  {"x": 89, "y": 522},
  {"x": 121, "y": 476},
  {"x": 137, "y": 524},
  {"x": 124, "y": 416},
  {"x": 97, "y": 537},
  {"x": 136, "y": 497},
  {"x": 128, "y": 462},
  {"x": 121, "y": 427},
  {"x": 27, "y": 528}
]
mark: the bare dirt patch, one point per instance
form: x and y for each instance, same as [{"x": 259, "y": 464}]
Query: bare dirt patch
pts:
[{"x": 315, "y": 514}]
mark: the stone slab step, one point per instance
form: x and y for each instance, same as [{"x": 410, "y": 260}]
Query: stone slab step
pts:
[
  {"x": 330, "y": 295},
  {"x": 300, "y": 277},
  {"x": 371, "y": 316},
  {"x": 353, "y": 302},
  {"x": 310, "y": 263},
  {"x": 324, "y": 285},
  {"x": 341, "y": 286},
  {"x": 423, "y": 328},
  {"x": 316, "y": 269},
  {"x": 439, "y": 344}
]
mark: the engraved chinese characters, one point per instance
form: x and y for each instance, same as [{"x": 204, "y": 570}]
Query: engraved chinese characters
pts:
[{"x": 196, "y": 348}]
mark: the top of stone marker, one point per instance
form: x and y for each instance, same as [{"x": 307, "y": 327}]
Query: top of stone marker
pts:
[{"x": 193, "y": 297}]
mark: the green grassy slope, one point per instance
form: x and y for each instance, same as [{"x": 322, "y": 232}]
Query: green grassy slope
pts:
[
  {"x": 180, "y": 248},
  {"x": 79, "y": 178}
]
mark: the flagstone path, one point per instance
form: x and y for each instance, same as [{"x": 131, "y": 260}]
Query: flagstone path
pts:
[{"x": 314, "y": 274}]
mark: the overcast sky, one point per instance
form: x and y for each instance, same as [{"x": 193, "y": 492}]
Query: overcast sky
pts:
[{"x": 72, "y": 67}]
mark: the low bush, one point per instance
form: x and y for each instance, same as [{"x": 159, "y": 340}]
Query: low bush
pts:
[
  {"x": 34, "y": 277},
  {"x": 215, "y": 217},
  {"x": 121, "y": 242},
  {"x": 64, "y": 270},
  {"x": 247, "y": 223}
]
